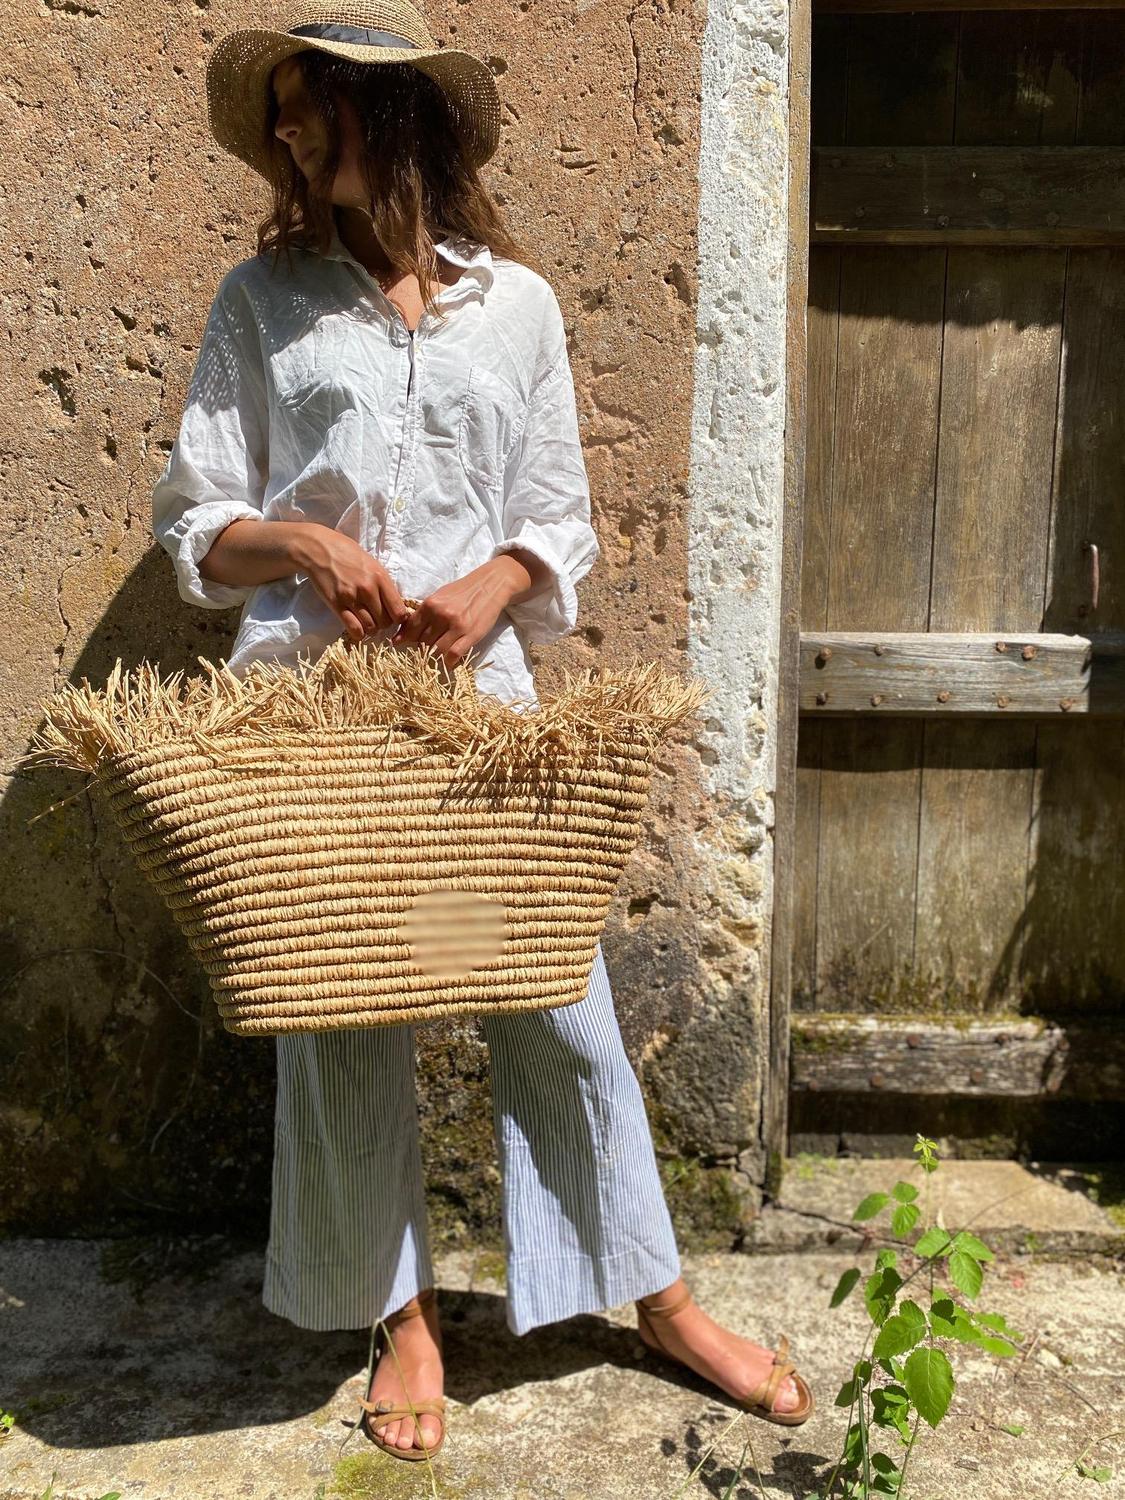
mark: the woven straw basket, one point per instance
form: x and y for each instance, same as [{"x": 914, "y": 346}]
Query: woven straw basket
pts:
[{"x": 367, "y": 839}]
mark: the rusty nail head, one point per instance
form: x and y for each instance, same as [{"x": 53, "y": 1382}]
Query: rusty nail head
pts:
[
  {"x": 1003, "y": 701},
  {"x": 876, "y": 1080},
  {"x": 824, "y": 654},
  {"x": 822, "y": 697},
  {"x": 879, "y": 648},
  {"x": 1065, "y": 703},
  {"x": 943, "y": 696},
  {"x": 1001, "y": 645},
  {"x": 913, "y": 1039},
  {"x": 976, "y": 1075},
  {"x": 876, "y": 699},
  {"x": 1029, "y": 652}
]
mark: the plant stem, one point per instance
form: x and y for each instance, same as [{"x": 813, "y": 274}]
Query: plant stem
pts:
[
  {"x": 909, "y": 1451},
  {"x": 738, "y": 1416},
  {"x": 1094, "y": 1441}
]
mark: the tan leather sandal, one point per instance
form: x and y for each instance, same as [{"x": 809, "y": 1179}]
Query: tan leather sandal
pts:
[
  {"x": 387, "y": 1411},
  {"x": 761, "y": 1398}
]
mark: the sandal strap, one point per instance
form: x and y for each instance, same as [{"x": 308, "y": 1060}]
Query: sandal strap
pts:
[
  {"x": 416, "y": 1305},
  {"x": 666, "y": 1309},
  {"x": 384, "y": 1409},
  {"x": 765, "y": 1393}
]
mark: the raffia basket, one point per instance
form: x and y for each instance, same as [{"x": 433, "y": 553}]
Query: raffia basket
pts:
[{"x": 367, "y": 839}]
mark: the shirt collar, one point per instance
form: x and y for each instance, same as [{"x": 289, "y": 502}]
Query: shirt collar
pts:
[{"x": 475, "y": 260}]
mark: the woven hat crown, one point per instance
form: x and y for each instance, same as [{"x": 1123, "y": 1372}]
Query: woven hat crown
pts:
[{"x": 396, "y": 16}]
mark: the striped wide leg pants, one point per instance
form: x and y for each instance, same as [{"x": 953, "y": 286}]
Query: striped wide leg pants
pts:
[{"x": 585, "y": 1223}]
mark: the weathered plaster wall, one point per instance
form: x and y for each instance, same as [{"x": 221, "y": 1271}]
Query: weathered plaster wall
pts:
[{"x": 124, "y": 1103}]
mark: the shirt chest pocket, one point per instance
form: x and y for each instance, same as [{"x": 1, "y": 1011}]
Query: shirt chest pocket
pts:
[{"x": 489, "y": 423}]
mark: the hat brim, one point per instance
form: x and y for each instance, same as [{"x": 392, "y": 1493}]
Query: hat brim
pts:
[{"x": 239, "y": 69}]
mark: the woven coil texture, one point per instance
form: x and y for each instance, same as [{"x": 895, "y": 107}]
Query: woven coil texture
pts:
[
  {"x": 366, "y": 839},
  {"x": 239, "y": 69}
]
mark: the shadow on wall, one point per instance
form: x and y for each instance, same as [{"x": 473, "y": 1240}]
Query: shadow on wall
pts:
[{"x": 125, "y": 1102}]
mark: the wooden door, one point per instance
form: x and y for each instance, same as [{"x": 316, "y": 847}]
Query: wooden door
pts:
[{"x": 958, "y": 855}]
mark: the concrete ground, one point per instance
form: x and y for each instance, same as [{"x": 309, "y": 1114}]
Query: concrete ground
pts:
[{"x": 154, "y": 1371}]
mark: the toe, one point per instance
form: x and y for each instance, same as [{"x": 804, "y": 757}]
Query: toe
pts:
[
  {"x": 431, "y": 1431},
  {"x": 406, "y": 1433},
  {"x": 788, "y": 1399}
]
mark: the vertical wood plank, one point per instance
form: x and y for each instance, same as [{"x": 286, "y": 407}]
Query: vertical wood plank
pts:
[
  {"x": 885, "y": 438},
  {"x": 823, "y": 333},
  {"x": 901, "y": 72},
  {"x": 972, "y": 865},
  {"x": 1000, "y": 375},
  {"x": 1074, "y": 954},
  {"x": 1089, "y": 499},
  {"x": 868, "y": 859},
  {"x": 775, "y": 1114},
  {"x": 1018, "y": 78},
  {"x": 1101, "y": 100},
  {"x": 806, "y": 863}
]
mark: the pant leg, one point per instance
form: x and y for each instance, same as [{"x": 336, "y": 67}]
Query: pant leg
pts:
[
  {"x": 586, "y": 1226},
  {"x": 348, "y": 1234}
]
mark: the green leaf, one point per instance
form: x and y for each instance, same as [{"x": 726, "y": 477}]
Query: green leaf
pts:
[
  {"x": 890, "y": 1407},
  {"x": 882, "y": 1463},
  {"x": 904, "y": 1219},
  {"x": 855, "y": 1444},
  {"x": 928, "y": 1379},
  {"x": 904, "y": 1192},
  {"x": 935, "y": 1241},
  {"x": 1013, "y": 1429},
  {"x": 965, "y": 1273},
  {"x": 848, "y": 1392},
  {"x": 1101, "y": 1472},
  {"x": 901, "y": 1331},
  {"x": 873, "y": 1204},
  {"x": 886, "y": 1258},
  {"x": 943, "y": 1317},
  {"x": 844, "y": 1286},
  {"x": 879, "y": 1293},
  {"x": 912, "y": 1313},
  {"x": 963, "y": 1240},
  {"x": 998, "y": 1346},
  {"x": 896, "y": 1336},
  {"x": 999, "y": 1324}
]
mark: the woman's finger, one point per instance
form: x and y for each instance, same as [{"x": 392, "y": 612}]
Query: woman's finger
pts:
[{"x": 352, "y": 626}]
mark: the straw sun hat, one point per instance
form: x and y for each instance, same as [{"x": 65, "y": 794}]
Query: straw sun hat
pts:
[{"x": 366, "y": 31}]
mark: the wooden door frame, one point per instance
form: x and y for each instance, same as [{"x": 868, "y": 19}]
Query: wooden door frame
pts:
[{"x": 775, "y": 1111}]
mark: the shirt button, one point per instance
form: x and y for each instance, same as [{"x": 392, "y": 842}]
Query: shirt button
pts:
[{"x": 399, "y": 502}]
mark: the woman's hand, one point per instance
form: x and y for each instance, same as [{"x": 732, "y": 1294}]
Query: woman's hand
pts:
[
  {"x": 455, "y": 617},
  {"x": 349, "y": 580}
]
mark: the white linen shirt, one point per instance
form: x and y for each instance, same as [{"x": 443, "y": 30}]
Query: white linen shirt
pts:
[{"x": 434, "y": 450}]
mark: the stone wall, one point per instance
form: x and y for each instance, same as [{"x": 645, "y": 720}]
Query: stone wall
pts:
[{"x": 125, "y": 1104}]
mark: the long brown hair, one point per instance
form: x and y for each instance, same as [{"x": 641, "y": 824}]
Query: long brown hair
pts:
[{"x": 421, "y": 184}]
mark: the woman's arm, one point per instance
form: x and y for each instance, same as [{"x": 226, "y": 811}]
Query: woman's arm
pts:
[{"x": 248, "y": 552}]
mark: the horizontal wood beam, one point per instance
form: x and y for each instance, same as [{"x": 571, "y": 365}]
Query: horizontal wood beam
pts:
[
  {"x": 972, "y": 195},
  {"x": 873, "y": 7},
  {"x": 919, "y": 674},
  {"x": 1021, "y": 1058}
]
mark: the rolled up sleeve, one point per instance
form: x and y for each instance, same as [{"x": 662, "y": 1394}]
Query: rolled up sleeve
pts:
[
  {"x": 218, "y": 467},
  {"x": 546, "y": 507}
]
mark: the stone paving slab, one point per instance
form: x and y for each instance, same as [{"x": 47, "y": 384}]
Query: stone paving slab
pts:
[
  {"x": 196, "y": 1391},
  {"x": 1010, "y": 1205}
]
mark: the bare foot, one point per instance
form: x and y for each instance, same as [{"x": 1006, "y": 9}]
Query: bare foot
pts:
[
  {"x": 729, "y": 1361},
  {"x": 417, "y": 1342}
]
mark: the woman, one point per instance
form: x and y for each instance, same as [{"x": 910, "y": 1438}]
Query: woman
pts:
[{"x": 393, "y": 413}]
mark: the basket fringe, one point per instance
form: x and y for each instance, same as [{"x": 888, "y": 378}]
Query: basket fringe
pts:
[{"x": 597, "y": 712}]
